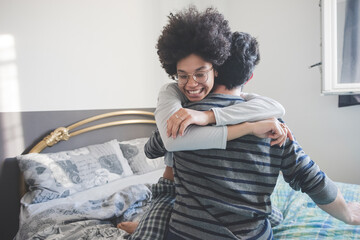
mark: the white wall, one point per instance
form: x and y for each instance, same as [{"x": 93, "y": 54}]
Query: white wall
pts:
[
  {"x": 92, "y": 54},
  {"x": 289, "y": 36},
  {"x": 81, "y": 54}
]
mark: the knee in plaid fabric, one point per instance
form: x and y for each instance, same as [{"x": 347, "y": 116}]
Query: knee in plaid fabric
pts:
[
  {"x": 164, "y": 187},
  {"x": 155, "y": 221}
]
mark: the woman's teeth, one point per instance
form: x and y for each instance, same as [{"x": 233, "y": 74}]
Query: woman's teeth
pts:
[{"x": 195, "y": 91}]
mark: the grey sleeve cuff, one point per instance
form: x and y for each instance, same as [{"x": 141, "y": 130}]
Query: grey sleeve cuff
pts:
[
  {"x": 327, "y": 194},
  {"x": 217, "y": 117}
]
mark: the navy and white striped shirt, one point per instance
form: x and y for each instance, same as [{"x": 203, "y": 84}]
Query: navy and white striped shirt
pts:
[{"x": 225, "y": 194}]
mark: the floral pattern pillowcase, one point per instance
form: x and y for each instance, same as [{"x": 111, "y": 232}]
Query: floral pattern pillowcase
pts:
[
  {"x": 133, "y": 151},
  {"x": 58, "y": 175}
]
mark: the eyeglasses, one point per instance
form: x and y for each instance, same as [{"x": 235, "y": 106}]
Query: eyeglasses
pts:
[{"x": 199, "y": 77}]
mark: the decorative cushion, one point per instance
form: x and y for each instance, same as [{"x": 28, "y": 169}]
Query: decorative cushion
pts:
[
  {"x": 57, "y": 175},
  {"x": 133, "y": 151}
]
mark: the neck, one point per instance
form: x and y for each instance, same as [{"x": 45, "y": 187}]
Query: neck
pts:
[{"x": 221, "y": 89}]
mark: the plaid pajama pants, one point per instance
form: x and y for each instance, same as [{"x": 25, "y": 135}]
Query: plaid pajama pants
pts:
[{"x": 155, "y": 221}]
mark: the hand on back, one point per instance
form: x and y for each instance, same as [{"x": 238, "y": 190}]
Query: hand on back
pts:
[
  {"x": 272, "y": 128},
  {"x": 184, "y": 117}
]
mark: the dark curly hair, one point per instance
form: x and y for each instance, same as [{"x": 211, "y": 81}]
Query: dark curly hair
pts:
[
  {"x": 206, "y": 34},
  {"x": 239, "y": 67}
]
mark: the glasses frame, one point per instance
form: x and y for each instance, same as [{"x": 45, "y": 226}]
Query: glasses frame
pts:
[{"x": 206, "y": 72}]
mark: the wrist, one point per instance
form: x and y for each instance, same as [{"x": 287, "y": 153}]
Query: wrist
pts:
[
  {"x": 210, "y": 116},
  {"x": 249, "y": 126}
]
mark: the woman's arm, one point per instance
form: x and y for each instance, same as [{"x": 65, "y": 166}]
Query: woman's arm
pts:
[
  {"x": 255, "y": 108},
  {"x": 170, "y": 101},
  {"x": 270, "y": 128}
]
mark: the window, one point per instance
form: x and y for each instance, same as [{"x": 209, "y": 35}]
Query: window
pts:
[{"x": 340, "y": 46}]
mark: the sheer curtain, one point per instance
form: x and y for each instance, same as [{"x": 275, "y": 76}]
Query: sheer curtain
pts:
[{"x": 350, "y": 71}]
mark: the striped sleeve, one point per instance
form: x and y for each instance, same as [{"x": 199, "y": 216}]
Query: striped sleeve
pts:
[
  {"x": 154, "y": 147},
  {"x": 304, "y": 174}
]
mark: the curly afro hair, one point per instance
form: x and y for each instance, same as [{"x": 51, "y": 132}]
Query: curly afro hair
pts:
[
  {"x": 206, "y": 34},
  {"x": 239, "y": 67}
]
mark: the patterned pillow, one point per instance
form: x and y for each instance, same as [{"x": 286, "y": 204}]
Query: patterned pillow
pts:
[
  {"x": 58, "y": 175},
  {"x": 133, "y": 151}
]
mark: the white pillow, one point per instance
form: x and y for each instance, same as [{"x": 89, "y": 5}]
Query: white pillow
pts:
[
  {"x": 133, "y": 151},
  {"x": 58, "y": 175}
]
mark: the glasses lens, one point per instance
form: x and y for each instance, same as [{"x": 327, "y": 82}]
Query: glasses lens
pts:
[
  {"x": 181, "y": 78},
  {"x": 201, "y": 77}
]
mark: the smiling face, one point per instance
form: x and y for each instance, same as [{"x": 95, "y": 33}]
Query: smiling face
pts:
[{"x": 193, "y": 64}]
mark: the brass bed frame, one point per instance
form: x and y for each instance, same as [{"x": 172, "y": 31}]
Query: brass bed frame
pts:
[{"x": 65, "y": 133}]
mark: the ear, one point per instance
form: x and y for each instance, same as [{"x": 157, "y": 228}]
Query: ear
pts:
[
  {"x": 215, "y": 73},
  {"x": 249, "y": 79}
]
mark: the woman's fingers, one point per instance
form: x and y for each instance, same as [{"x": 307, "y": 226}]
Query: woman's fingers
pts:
[
  {"x": 278, "y": 139},
  {"x": 289, "y": 134},
  {"x": 174, "y": 123},
  {"x": 175, "y": 127},
  {"x": 279, "y": 135},
  {"x": 182, "y": 118},
  {"x": 286, "y": 134},
  {"x": 184, "y": 124}
]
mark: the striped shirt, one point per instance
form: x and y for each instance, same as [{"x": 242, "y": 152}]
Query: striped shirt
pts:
[{"x": 225, "y": 194}]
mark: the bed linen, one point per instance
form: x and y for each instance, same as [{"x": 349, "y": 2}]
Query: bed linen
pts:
[
  {"x": 93, "y": 214},
  {"x": 90, "y": 214},
  {"x": 304, "y": 220}
]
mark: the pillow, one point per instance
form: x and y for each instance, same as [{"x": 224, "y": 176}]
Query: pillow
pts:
[
  {"x": 133, "y": 151},
  {"x": 58, "y": 175}
]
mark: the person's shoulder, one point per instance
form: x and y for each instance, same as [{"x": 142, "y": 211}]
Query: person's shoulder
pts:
[
  {"x": 213, "y": 100},
  {"x": 170, "y": 86},
  {"x": 172, "y": 91},
  {"x": 224, "y": 97}
]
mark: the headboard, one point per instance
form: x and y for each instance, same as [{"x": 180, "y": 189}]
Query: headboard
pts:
[{"x": 49, "y": 132}]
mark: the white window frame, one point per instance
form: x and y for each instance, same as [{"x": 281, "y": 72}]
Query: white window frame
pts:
[{"x": 330, "y": 83}]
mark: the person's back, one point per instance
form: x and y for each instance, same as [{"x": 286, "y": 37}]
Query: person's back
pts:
[
  {"x": 226, "y": 190},
  {"x": 226, "y": 193}
]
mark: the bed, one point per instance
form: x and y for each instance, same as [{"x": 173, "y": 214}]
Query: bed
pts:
[{"x": 83, "y": 192}]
